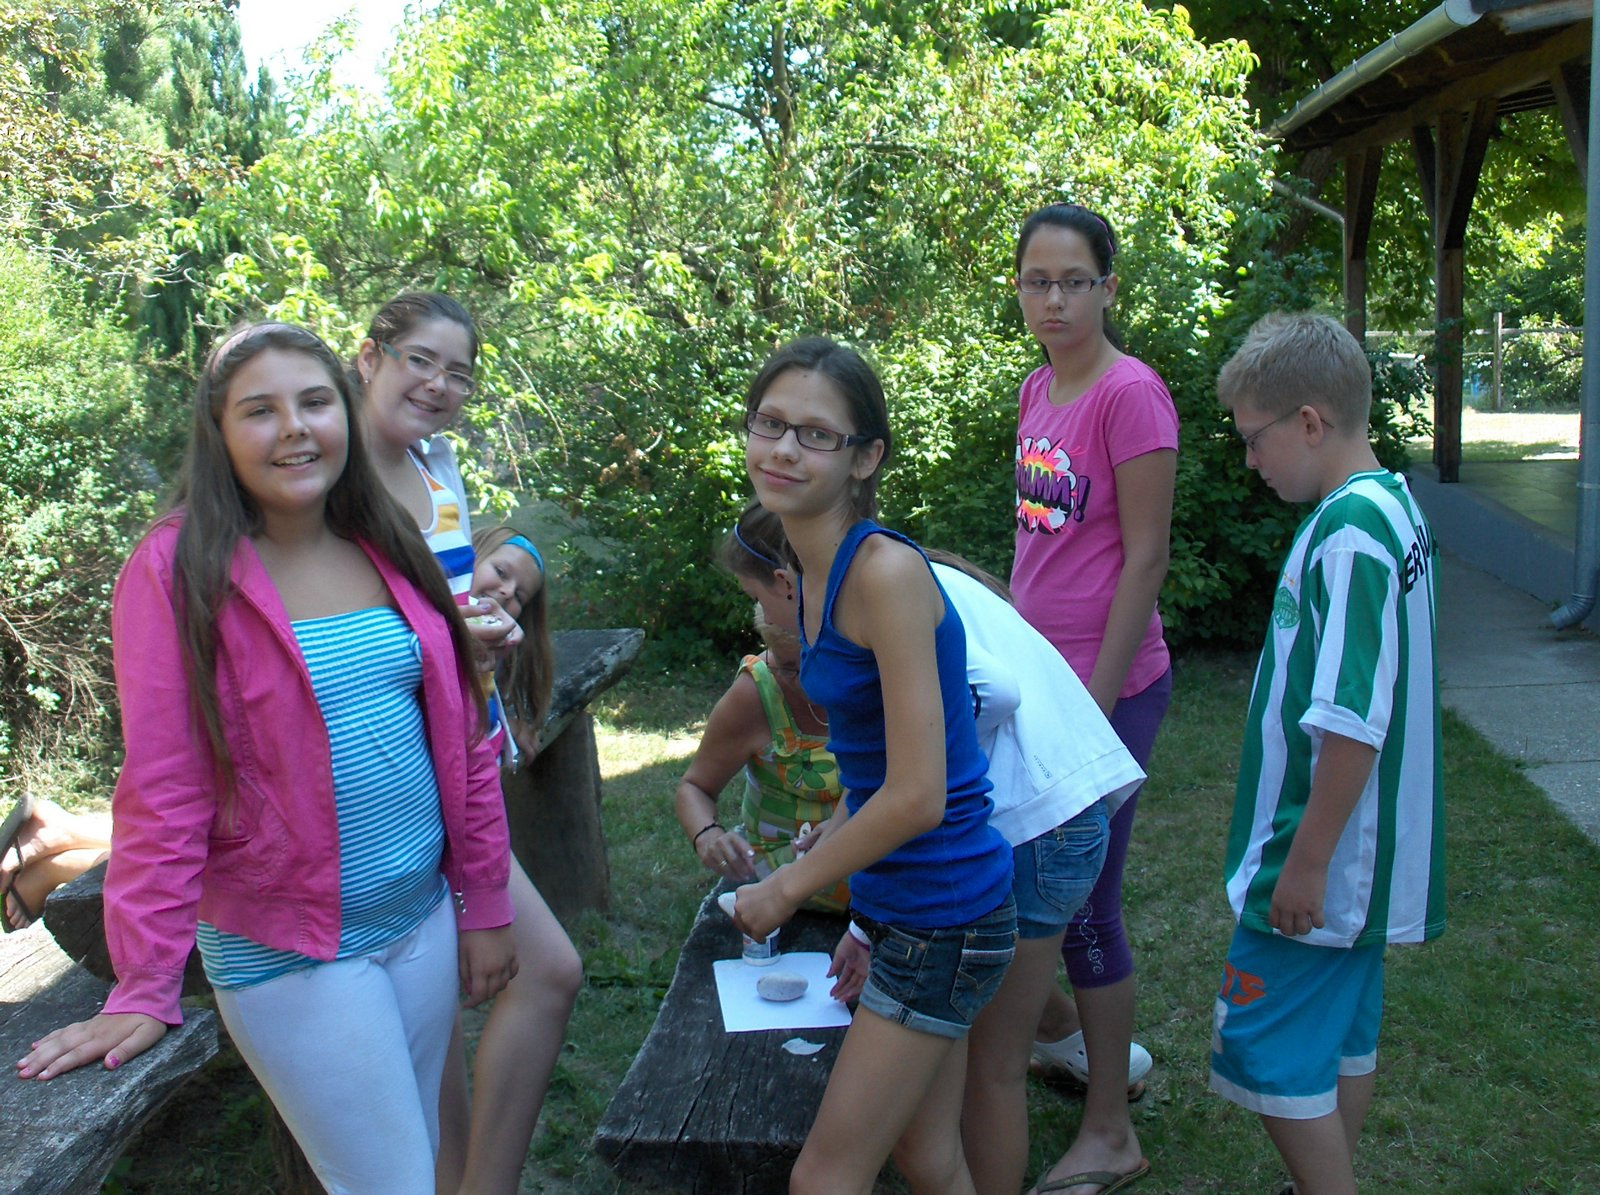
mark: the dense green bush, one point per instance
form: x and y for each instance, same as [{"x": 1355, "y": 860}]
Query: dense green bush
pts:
[{"x": 74, "y": 490}]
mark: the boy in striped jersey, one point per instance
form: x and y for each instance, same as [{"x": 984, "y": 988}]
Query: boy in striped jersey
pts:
[{"x": 1337, "y": 842}]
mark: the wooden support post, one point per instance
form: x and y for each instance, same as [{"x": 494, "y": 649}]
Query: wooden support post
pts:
[
  {"x": 1570, "y": 85},
  {"x": 553, "y": 805},
  {"x": 1497, "y": 398},
  {"x": 1463, "y": 139},
  {"x": 1360, "y": 198}
]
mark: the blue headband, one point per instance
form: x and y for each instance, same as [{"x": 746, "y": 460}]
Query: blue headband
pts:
[
  {"x": 523, "y": 542},
  {"x": 745, "y": 544}
]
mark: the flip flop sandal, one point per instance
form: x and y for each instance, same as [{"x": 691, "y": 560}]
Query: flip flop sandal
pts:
[
  {"x": 11, "y": 829},
  {"x": 6, "y": 904},
  {"x": 1108, "y": 1180}
]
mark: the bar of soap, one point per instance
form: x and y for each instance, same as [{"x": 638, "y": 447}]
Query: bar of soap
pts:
[{"x": 781, "y": 986}]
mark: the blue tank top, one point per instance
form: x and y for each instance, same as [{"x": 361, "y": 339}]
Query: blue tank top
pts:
[{"x": 958, "y": 871}]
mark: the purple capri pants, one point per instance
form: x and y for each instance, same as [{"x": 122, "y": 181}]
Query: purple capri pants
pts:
[{"x": 1096, "y": 946}]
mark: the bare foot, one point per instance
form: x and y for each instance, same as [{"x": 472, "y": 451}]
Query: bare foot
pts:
[
  {"x": 40, "y": 877},
  {"x": 52, "y": 830},
  {"x": 1091, "y": 1153}
]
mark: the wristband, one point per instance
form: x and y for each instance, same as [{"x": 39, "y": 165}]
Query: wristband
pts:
[
  {"x": 860, "y": 935},
  {"x": 695, "y": 841}
]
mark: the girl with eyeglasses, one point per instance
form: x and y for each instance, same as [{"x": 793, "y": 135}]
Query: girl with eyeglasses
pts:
[
  {"x": 1096, "y": 466},
  {"x": 1053, "y": 795},
  {"x": 884, "y": 655},
  {"x": 415, "y": 369}
]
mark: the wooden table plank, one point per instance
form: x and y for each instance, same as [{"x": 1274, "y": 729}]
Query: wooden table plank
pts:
[{"x": 710, "y": 1112}]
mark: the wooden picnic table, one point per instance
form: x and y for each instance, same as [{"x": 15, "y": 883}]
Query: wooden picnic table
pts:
[{"x": 705, "y": 1111}]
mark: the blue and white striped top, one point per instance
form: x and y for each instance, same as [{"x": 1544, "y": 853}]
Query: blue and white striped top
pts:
[{"x": 366, "y": 671}]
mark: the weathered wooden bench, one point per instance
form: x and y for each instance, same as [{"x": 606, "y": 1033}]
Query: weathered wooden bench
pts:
[
  {"x": 710, "y": 1112},
  {"x": 63, "y": 1136}
]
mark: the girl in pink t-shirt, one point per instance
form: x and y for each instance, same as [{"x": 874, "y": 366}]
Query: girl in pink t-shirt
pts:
[{"x": 1097, "y": 441}]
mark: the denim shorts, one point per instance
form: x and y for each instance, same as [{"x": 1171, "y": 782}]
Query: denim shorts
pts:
[
  {"x": 938, "y": 980},
  {"x": 1056, "y": 871}
]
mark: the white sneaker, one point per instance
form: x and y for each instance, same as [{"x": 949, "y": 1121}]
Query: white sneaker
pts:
[{"x": 1053, "y": 1058}]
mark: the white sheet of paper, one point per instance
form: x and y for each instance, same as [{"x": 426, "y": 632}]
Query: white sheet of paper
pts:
[{"x": 744, "y": 1011}]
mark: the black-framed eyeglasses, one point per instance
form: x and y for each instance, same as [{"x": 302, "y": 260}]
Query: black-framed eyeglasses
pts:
[
  {"x": 426, "y": 369},
  {"x": 818, "y": 439},
  {"x": 1076, "y": 285}
]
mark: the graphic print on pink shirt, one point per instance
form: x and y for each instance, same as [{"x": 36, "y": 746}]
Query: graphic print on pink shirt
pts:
[{"x": 1048, "y": 489}]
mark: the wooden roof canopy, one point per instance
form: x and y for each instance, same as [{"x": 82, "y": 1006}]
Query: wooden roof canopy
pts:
[{"x": 1442, "y": 84}]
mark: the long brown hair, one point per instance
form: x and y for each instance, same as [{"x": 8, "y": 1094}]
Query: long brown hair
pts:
[
  {"x": 216, "y": 512},
  {"x": 529, "y": 671}
]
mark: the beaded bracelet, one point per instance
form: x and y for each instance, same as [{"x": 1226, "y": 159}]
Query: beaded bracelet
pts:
[{"x": 695, "y": 841}]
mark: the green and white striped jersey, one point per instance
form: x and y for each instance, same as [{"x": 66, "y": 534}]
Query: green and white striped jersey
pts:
[{"x": 1349, "y": 650}]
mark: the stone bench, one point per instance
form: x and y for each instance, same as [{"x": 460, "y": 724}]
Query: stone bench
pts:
[
  {"x": 710, "y": 1112},
  {"x": 62, "y": 1137}
]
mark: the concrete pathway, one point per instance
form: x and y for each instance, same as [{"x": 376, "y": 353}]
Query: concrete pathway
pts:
[{"x": 1532, "y": 691}]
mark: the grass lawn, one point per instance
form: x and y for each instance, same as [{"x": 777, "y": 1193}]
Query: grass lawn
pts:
[
  {"x": 1512, "y": 436},
  {"x": 1489, "y": 1071}
]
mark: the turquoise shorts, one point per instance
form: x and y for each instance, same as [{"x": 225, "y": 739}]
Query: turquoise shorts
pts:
[{"x": 1291, "y": 1020}]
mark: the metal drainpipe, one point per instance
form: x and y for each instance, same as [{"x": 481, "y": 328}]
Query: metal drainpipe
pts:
[
  {"x": 1586, "y": 547},
  {"x": 1441, "y": 22}
]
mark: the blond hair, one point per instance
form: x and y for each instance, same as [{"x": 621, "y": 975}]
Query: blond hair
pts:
[{"x": 1294, "y": 359}]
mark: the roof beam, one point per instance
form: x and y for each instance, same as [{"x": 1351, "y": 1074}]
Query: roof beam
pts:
[
  {"x": 1513, "y": 74},
  {"x": 1470, "y": 139},
  {"x": 1572, "y": 101}
]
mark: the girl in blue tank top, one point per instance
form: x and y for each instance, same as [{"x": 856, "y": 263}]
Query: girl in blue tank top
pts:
[{"x": 930, "y": 879}]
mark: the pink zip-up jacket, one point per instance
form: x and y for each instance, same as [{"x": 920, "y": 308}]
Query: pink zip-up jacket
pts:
[{"x": 271, "y": 870}]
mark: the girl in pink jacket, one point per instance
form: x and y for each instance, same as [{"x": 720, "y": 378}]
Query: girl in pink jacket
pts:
[{"x": 307, "y": 793}]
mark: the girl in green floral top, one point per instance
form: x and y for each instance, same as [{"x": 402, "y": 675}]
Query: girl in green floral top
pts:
[{"x": 764, "y": 726}]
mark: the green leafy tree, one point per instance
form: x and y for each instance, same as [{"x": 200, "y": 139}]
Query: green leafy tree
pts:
[
  {"x": 642, "y": 200},
  {"x": 74, "y": 487}
]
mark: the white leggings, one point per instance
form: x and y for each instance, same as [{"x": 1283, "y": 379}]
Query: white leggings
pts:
[{"x": 351, "y": 1054}]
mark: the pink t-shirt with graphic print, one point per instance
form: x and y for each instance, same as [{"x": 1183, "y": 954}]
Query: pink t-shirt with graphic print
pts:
[{"x": 1069, "y": 534}]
